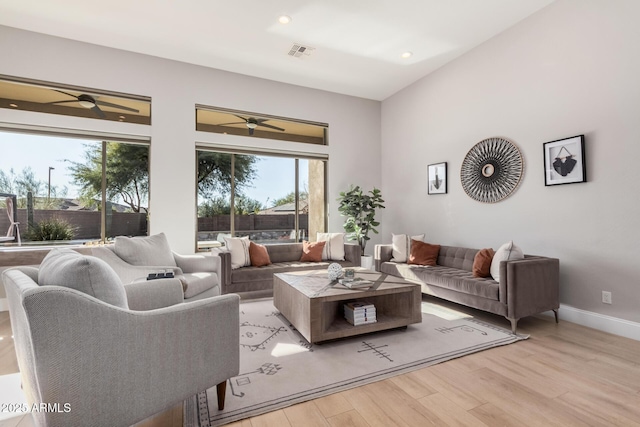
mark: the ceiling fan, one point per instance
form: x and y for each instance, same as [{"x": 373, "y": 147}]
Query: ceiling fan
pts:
[
  {"x": 89, "y": 102},
  {"x": 252, "y": 123}
]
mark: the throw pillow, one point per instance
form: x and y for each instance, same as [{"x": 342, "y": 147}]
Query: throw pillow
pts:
[
  {"x": 239, "y": 249},
  {"x": 334, "y": 247},
  {"x": 423, "y": 253},
  {"x": 507, "y": 252},
  {"x": 402, "y": 245},
  {"x": 312, "y": 251},
  {"x": 482, "y": 263},
  {"x": 87, "y": 274},
  {"x": 145, "y": 250},
  {"x": 259, "y": 255}
]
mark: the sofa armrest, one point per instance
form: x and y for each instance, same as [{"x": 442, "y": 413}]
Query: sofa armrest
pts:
[
  {"x": 352, "y": 253},
  {"x": 198, "y": 263},
  {"x": 225, "y": 271},
  {"x": 530, "y": 286},
  {"x": 382, "y": 253},
  {"x": 146, "y": 295}
]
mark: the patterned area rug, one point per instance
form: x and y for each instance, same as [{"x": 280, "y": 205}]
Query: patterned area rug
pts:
[{"x": 279, "y": 368}]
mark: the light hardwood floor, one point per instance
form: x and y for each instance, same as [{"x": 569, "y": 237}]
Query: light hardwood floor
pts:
[{"x": 563, "y": 375}]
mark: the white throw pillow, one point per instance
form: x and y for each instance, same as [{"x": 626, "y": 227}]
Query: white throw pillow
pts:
[
  {"x": 334, "y": 248},
  {"x": 145, "y": 250},
  {"x": 507, "y": 252},
  {"x": 402, "y": 246},
  {"x": 239, "y": 249}
]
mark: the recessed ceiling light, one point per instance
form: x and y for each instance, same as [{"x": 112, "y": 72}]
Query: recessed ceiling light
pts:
[
  {"x": 406, "y": 54},
  {"x": 284, "y": 19},
  {"x": 13, "y": 105}
]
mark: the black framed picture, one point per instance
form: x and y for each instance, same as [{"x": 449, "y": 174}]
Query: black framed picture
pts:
[
  {"x": 564, "y": 161},
  {"x": 437, "y": 178}
]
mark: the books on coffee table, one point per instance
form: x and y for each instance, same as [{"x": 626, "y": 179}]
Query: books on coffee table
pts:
[
  {"x": 359, "y": 313},
  {"x": 355, "y": 283}
]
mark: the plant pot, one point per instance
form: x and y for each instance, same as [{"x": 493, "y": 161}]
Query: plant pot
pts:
[{"x": 366, "y": 261}]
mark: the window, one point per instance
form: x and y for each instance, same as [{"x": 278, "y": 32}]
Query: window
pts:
[
  {"x": 45, "y": 97},
  {"x": 270, "y": 198},
  {"x": 71, "y": 189},
  {"x": 209, "y": 119}
]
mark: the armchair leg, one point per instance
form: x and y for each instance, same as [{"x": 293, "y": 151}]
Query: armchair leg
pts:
[
  {"x": 555, "y": 312},
  {"x": 221, "y": 389},
  {"x": 514, "y": 324}
]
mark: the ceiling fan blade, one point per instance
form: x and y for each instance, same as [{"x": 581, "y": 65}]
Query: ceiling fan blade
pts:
[
  {"x": 99, "y": 112},
  {"x": 270, "y": 126},
  {"x": 120, "y": 107},
  {"x": 61, "y": 91},
  {"x": 60, "y": 102},
  {"x": 251, "y": 131},
  {"x": 236, "y": 123}
]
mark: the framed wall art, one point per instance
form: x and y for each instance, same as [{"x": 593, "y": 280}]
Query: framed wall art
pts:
[
  {"x": 564, "y": 161},
  {"x": 437, "y": 178}
]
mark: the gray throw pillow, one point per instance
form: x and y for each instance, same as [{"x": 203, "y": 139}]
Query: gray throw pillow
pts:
[
  {"x": 145, "y": 250},
  {"x": 87, "y": 274}
]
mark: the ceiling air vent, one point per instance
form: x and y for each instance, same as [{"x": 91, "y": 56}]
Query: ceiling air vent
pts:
[{"x": 300, "y": 51}]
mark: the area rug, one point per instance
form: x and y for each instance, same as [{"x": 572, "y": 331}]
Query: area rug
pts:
[{"x": 279, "y": 368}]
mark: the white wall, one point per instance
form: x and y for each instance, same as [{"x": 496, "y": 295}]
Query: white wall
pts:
[
  {"x": 175, "y": 88},
  {"x": 572, "y": 68}
]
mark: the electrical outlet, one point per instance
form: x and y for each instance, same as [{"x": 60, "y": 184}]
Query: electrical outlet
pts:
[{"x": 606, "y": 297}]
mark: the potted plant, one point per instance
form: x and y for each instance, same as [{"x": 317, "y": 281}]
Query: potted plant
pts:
[{"x": 360, "y": 209}]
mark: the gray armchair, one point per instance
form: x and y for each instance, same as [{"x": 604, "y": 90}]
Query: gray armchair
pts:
[
  {"x": 134, "y": 258},
  {"x": 110, "y": 365}
]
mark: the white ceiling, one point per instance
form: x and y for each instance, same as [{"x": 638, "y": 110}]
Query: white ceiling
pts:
[{"x": 357, "y": 43}]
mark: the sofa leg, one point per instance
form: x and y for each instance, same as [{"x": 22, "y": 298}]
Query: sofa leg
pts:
[
  {"x": 221, "y": 389},
  {"x": 555, "y": 312},
  {"x": 514, "y": 324}
]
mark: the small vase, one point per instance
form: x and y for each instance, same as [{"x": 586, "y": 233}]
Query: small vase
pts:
[{"x": 366, "y": 261}]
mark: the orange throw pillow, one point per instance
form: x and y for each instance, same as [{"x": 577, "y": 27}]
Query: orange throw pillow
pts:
[
  {"x": 258, "y": 255},
  {"x": 423, "y": 253},
  {"x": 312, "y": 252},
  {"x": 482, "y": 263}
]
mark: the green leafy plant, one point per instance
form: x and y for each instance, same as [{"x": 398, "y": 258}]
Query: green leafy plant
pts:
[
  {"x": 360, "y": 209},
  {"x": 51, "y": 229}
]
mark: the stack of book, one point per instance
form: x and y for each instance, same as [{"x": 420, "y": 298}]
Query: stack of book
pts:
[{"x": 359, "y": 313}]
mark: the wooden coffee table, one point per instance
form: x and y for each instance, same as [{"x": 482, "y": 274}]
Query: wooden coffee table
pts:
[{"x": 314, "y": 305}]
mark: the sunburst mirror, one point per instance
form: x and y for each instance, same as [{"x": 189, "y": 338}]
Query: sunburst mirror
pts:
[{"x": 491, "y": 170}]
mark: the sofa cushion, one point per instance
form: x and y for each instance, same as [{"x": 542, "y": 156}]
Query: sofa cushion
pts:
[
  {"x": 507, "y": 252},
  {"x": 257, "y": 274},
  {"x": 258, "y": 255},
  {"x": 145, "y": 250},
  {"x": 482, "y": 263},
  {"x": 312, "y": 251},
  {"x": 401, "y": 246},
  {"x": 87, "y": 274},
  {"x": 334, "y": 247},
  {"x": 456, "y": 257},
  {"x": 238, "y": 247},
  {"x": 423, "y": 253},
  {"x": 450, "y": 278}
]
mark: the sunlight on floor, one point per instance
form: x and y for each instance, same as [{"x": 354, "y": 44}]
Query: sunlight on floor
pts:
[
  {"x": 282, "y": 350},
  {"x": 11, "y": 393},
  {"x": 442, "y": 312}
]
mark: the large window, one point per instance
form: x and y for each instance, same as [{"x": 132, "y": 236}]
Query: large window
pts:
[
  {"x": 72, "y": 189},
  {"x": 270, "y": 198}
]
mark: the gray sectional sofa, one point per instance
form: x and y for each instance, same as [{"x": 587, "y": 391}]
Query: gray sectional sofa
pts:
[
  {"x": 526, "y": 287},
  {"x": 284, "y": 257}
]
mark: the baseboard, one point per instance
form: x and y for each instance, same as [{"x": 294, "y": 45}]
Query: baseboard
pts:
[
  {"x": 4, "y": 304},
  {"x": 601, "y": 322}
]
